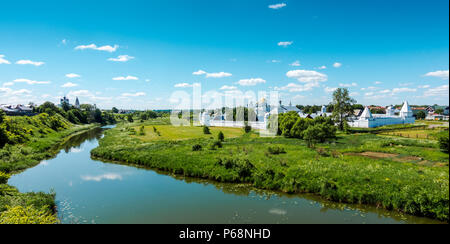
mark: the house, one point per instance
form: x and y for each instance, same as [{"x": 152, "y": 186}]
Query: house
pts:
[{"x": 15, "y": 110}]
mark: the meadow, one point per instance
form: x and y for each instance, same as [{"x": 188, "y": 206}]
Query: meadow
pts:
[{"x": 402, "y": 174}]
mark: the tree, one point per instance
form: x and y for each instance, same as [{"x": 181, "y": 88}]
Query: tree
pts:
[
  {"x": 98, "y": 116},
  {"x": 2, "y": 116},
  {"x": 130, "y": 118},
  {"x": 115, "y": 110},
  {"x": 444, "y": 142},
  {"x": 206, "y": 130},
  {"x": 439, "y": 111},
  {"x": 421, "y": 115},
  {"x": 3, "y": 137},
  {"x": 342, "y": 106},
  {"x": 221, "y": 137}
]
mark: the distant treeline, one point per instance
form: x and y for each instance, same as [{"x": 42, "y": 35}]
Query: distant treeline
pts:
[{"x": 86, "y": 114}]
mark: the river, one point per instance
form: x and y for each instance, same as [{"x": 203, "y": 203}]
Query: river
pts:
[{"x": 90, "y": 191}]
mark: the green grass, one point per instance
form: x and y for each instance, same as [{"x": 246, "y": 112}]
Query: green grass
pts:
[{"x": 328, "y": 171}]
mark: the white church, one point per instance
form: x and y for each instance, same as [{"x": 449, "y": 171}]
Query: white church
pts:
[{"x": 368, "y": 120}]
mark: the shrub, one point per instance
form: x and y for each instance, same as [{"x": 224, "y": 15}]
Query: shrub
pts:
[
  {"x": 3, "y": 178},
  {"x": 221, "y": 136},
  {"x": 3, "y": 137},
  {"x": 206, "y": 130},
  {"x": 444, "y": 141},
  {"x": 142, "y": 131},
  {"x": 215, "y": 145},
  {"x": 247, "y": 128},
  {"x": 27, "y": 215},
  {"x": 197, "y": 147},
  {"x": 276, "y": 150}
]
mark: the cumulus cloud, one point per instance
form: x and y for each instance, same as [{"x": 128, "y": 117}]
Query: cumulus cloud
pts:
[
  {"x": 69, "y": 84},
  {"x": 441, "y": 91},
  {"x": 251, "y": 82},
  {"x": 126, "y": 78},
  {"x": 306, "y": 76},
  {"x": 228, "y": 88},
  {"x": 8, "y": 91},
  {"x": 24, "y": 62},
  {"x": 322, "y": 67},
  {"x": 106, "y": 48},
  {"x": 31, "y": 82},
  {"x": 200, "y": 72},
  {"x": 403, "y": 89},
  {"x": 424, "y": 86},
  {"x": 378, "y": 82},
  {"x": 292, "y": 87},
  {"x": 72, "y": 75},
  {"x": 8, "y": 84},
  {"x": 285, "y": 44},
  {"x": 121, "y": 58},
  {"x": 183, "y": 85},
  {"x": 443, "y": 74},
  {"x": 3, "y": 60},
  {"x": 348, "y": 85},
  {"x": 277, "y": 6},
  {"x": 137, "y": 94},
  {"x": 330, "y": 89},
  {"x": 337, "y": 65},
  {"x": 218, "y": 75},
  {"x": 296, "y": 64}
]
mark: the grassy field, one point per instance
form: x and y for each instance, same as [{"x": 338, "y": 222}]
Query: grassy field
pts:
[
  {"x": 170, "y": 133},
  {"x": 402, "y": 174}
]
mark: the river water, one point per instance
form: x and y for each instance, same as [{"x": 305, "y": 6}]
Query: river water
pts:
[{"x": 91, "y": 191}]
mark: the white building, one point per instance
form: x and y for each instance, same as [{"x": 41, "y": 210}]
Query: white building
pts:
[{"x": 368, "y": 120}]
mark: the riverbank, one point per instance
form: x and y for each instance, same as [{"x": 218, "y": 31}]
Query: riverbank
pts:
[
  {"x": 39, "y": 141},
  {"x": 413, "y": 180}
]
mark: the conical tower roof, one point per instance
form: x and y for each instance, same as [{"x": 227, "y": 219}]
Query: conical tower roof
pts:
[
  {"x": 406, "y": 108},
  {"x": 366, "y": 114}
]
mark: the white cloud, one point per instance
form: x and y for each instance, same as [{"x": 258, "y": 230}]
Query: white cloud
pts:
[
  {"x": 9, "y": 91},
  {"x": 385, "y": 91},
  {"x": 275, "y": 61},
  {"x": 69, "y": 84},
  {"x": 3, "y": 60},
  {"x": 64, "y": 42},
  {"x": 126, "y": 78},
  {"x": 378, "y": 82},
  {"x": 8, "y": 83},
  {"x": 277, "y": 6},
  {"x": 306, "y": 76},
  {"x": 251, "y": 82},
  {"x": 137, "y": 94},
  {"x": 121, "y": 58},
  {"x": 296, "y": 64},
  {"x": 322, "y": 67},
  {"x": 348, "y": 85},
  {"x": 183, "y": 85},
  {"x": 98, "y": 178},
  {"x": 72, "y": 75},
  {"x": 31, "y": 82},
  {"x": 441, "y": 91},
  {"x": 370, "y": 88},
  {"x": 228, "y": 88},
  {"x": 285, "y": 44},
  {"x": 292, "y": 87},
  {"x": 403, "y": 89},
  {"x": 106, "y": 48},
  {"x": 443, "y": 74},
  {"x": 330, "y": 89},
  {"x": 24, "y": 62},
  {"x": 337, "y": 65},
  {"x": 424, "y": 86},
  {"x": 218, "y": 75},
  {"x": 200, "y": 72}
]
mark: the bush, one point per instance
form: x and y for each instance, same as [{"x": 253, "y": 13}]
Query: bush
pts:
[
  {"x": 444, "y": 141},
  {"x": 142, "y": 131},
  {"x": 206, "y": 130},
  {"x": 215, "y": 145},
  {"x": 27, "y": 215},
  {"x": 221, "y": 136},
  {"x": 3, "y": 137},
  {"x": 247, "y": 128},
  {"x": 3, "y": 178},
  {"x": 197, "y": 147},
  {"x": 276, "y": 150}
]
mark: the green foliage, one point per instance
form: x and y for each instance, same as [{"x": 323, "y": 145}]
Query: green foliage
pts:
[
  {"x": 197, "y": 147},
  {"x": 221, "y": 136},
  {"x": 247, "y": 128},
  {"x": 342, "y": 106},
  {"x": 142, "y": 131},
  {"x": 206, "y": 130},
  {"x": 276, "y": 150},
  {"x": 4, "y": 177},
  {"x": 130, "y": 118},
  {"x": 439, "y": 111},
  {"x": 27, "y": 215},
  {"x": 443, "y": 139},
  {"x": 3, "y": 136},
  {"x": 114, "y": 110},
  {"x": 215, "y": 145},
  {"x": 421, "y": 115},
  {"x": 2, "y": 116}
]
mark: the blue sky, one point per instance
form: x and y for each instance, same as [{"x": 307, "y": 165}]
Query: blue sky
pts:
[{"x": 385, "y": 52}]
